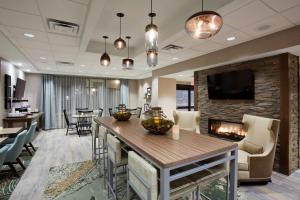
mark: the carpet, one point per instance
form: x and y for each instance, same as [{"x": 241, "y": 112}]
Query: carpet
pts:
[
  {"x": 81, "y": 180},
  {"x": 8, "y": 181}
]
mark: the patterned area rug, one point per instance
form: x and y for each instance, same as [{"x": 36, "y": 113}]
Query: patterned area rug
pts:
[
  {"x": 8, "y": 182},
  {"x": 81, "y": 180}
]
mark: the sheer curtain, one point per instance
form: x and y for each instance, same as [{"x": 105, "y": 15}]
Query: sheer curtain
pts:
[{"x": 69, "y": 92}]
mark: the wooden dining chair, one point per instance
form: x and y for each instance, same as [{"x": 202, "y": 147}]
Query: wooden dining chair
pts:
[
  {"x": 110, "y": 112},
  {"x": 70, "y": 125},
  {"x": 138, "y": 112}
]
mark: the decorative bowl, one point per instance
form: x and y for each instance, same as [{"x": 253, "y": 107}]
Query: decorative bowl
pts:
[
  {"x": 122, "y": 116},
  {"x": 158, "y": 129}
]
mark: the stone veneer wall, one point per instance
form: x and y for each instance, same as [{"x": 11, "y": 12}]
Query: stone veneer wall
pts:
[{"x": 265, "y": 104}]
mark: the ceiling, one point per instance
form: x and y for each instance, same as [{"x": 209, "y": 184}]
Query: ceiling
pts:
[{"x": 243, "y": 19}]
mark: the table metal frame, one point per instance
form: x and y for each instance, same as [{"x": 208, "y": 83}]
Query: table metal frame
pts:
[{"x": 220, "y": 158}]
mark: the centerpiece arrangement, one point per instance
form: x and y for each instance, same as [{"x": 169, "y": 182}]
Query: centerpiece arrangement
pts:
[
  {"x": 122, "y": 114},
  {"x": 156, "y": 121}
]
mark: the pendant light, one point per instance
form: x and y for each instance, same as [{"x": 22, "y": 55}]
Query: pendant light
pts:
[
  {"x": 120, "y": 43},
  {"x": 204, "y": 24},
  {"x": 127, "y": 63},
  {"x": 105, "y": 59},
  {"x": 151, "y": 35},
  {"x": 152, "y": 58}
]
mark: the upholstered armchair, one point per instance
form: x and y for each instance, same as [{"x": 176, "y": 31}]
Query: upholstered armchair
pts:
[
  {"x": 257, "y": 150},
  {"x": 3, "y": 152},
  {"x": 29, "y": 137},
  {"x": 187, "y": 120}
]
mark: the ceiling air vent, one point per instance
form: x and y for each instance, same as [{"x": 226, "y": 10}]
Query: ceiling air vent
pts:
[
  {"x": 62, "y": 27},
  {"x": 64, "y": 63},
  {"x": 172, "y": 47}
]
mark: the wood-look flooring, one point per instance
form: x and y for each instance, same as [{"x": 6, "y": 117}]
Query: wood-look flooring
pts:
[{"x": 56, "y": 149}]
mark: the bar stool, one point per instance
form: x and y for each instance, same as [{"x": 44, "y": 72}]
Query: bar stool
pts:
[
  {"x": 116, "y": 159},
  {"x": 142, "y": 178}
]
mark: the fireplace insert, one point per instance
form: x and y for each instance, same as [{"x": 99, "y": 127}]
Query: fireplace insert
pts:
[{"x": 226, "y": 129}]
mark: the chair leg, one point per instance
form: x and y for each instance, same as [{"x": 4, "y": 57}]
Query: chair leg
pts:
[
  {"x": 67, "y": 130},
  {"x": 32, "y": 146},
  {"x": 27, "y": 149},
  {"x": 20, "y": 162},
  {"x": 13, "y": 169}
]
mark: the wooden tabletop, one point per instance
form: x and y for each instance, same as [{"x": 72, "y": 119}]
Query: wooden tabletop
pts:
[
  {"x": 11, "y": 131},
  {"x": 2, "y": 139},
  {"x": 162, "y": 149},
  {"x": 27, "y": 117}
]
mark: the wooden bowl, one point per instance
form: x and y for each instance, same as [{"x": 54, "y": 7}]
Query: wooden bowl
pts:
[
  {"x": 122, "y": 116},
  {"x": 157, "y": 129}
]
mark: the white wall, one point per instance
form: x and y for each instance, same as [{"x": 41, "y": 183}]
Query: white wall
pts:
[
  {"x": 33, "y": 90},
  {"x": 14, "y": 72}
]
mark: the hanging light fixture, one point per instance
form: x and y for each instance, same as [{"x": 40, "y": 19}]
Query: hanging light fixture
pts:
[
  {"x": 105, "y": 59},
  {"x": 152, "y": 58},
  {"x": 120, "y": 43},
  {"x": 127, "y": 63},
  {"x": 151, "y": 35},
  {"x": 204, "y": 24}
]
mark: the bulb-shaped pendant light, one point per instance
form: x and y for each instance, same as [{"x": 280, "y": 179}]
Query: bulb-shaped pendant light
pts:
[
  {"x": 151, "y": 35},
  {"x": 127, "y": 63},
  {"x": 204, "y": 24},
  {"x": 120, "y": 43},
  {"x": 105, "y": 59},
  {"x": 152, "y": 58}
]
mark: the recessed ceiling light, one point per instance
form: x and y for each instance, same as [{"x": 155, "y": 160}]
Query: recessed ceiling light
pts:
[
  {"x": 180, "y": 75},
  {"x": 82, "y": 65},
  {"x": 27, "y": 70},
  {"x": 43, "y": 58},
  {"x": 175, "y": 58},
  {"x": 231, "y": 38},
  {"x": 20, "y": 64},
  {"x": 30, "y": 35}
]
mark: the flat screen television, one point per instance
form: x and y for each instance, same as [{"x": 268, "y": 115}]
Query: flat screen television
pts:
[
  {"x": 19, "y": 89},
  {"x": 231, "y": 85}
]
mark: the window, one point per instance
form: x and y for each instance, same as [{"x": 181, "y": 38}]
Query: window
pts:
[{"x": 185, "y": 97}]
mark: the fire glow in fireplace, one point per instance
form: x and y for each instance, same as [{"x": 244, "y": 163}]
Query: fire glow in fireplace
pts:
[{"x": 226, "y": 129}]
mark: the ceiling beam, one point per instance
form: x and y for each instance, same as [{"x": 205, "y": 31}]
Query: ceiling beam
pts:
[{"x": 270, "y": 43}]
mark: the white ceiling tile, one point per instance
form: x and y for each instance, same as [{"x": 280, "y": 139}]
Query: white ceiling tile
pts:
[
  {"x": 281, "y": 5},
  {"x": 63, "y": 40},
  {"x": 34, "y": 44},
  {"x": 12, "y": 18},
  {"x": 293, "y": 15},
  {"x": 249, "y": 14},
  {"x": 36, "y": 54},
  {"x": 19, "y": 34},
  {"x": 207, "y": 46},
  {"x": 232, "y": 6},
  {"x": 81, "y": 1},
  {"x": 240, "y": 37},
  {"x": 63, "y": 10},
  {"x": 26, "y": 6},
  {"x": 273, "y": 24},
  {"x": 187, "y": 41}
]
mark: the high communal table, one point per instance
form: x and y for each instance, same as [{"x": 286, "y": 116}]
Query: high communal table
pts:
[{"x": 168, "y": 154}]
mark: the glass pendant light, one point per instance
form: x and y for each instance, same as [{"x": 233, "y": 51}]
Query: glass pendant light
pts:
[
  {"x": 204, "y": 24},
  {"x": 120, "y": 43},
  {"x": 105, "y": 59},
  {"x": 151, "y": 35},
  {"x": 152, "y": 58},
  {"x": 127, "y": 63}
]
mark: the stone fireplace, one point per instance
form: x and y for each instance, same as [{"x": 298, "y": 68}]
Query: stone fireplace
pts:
[{"x": 226, "y": 129}]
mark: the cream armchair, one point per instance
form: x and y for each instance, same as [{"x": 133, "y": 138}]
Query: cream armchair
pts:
[
  {"x": 257, "y": 150},
  {"x": 187, "y": 120}
]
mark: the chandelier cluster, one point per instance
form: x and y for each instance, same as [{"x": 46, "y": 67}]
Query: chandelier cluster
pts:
[{"x": 201, "y": 25}]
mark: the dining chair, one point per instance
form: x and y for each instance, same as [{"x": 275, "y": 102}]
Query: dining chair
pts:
[
  {"x": 99, "y": 144},
  {"x": 29, "y": 137},
  {"x": 13, "y": 152},
  {"x": 70, "y": 125},
  {"x": 116, "y": 158},
  {"x": 100, "y": 112},
  {"x": 142, "y": 178},
  {"x": 3, "y": 152},
  {"x": 110, "y": 112}
]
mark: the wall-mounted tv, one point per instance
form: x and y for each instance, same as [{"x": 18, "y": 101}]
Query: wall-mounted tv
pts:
[
  {"x": 19, "y": 89},
  {"x": 231, "y": 85}
]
